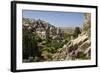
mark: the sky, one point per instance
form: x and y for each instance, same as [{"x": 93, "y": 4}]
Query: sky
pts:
[{"x": 58, "y": 19}]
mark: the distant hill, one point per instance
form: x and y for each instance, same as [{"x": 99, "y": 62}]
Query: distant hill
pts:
[{"x": 69, "y": 30}]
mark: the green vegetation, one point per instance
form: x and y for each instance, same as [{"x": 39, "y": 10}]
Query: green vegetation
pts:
[
  {"x": 45, "y": 42},
  {"x": 41, "y": 49},
  {"x": 30, "y": 47},
  {"x": 37, "y": 49},
  {"x": 76, "y": 32}
]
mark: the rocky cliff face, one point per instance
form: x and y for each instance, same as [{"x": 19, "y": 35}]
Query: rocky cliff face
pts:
[
  {"x": 78, "y": 48},
  {"x": 40, "y": 40},
  {"x": 42, "y": 28}
]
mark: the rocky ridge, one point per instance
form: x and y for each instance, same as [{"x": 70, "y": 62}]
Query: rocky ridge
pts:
[
  {"x": 42, "y": 28},
  {"x": 79, "y": 48}
]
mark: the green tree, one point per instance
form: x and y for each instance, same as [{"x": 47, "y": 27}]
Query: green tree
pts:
[
  {"x": 30, "y": 48},
  {"x": 76, "y": 32}
]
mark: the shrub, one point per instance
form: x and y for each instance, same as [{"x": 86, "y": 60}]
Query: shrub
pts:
[{"x": 76, "y": 32}]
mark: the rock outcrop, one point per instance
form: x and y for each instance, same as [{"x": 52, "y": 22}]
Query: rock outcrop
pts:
[
  {"x": 78, "y": 48},
  {"x": 38, "y": 35},
  {"x": 42, "y": 28}
]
